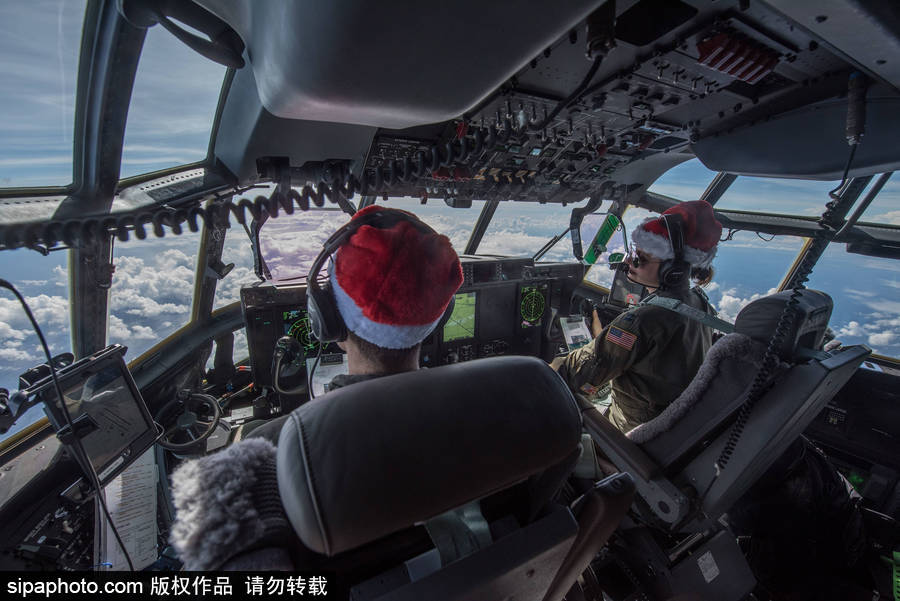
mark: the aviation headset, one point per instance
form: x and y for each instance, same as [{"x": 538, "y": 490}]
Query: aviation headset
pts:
[
  {"x": 675, "y": 271},
  {"x": 325, "y": 319}
]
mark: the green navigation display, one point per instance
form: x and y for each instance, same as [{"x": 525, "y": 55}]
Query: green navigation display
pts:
[
  {"x": 531, "y": 306},
  {"x": 296, "y": 325},
  {"x": 461, "y": 324}
]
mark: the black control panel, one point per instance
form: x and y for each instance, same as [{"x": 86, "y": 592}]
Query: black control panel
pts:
[
  {"x": 47, "y": 520},
  {"x": 272, "y": 310},
  {"x": 504, "y": 306}
]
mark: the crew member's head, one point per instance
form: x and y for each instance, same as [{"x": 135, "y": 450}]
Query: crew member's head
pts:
[
  {"x": 391, "y": 286},
  {"x": 653, "y": 248}
]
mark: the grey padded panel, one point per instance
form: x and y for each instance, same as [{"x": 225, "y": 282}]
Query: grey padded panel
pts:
[
  {"x": 810, "y": 143},
  {"x": 390, "y": 64},
  {"x": 779, "y": 417},
  {"x": 370, "y": 459},
  {"x": 725, "y": 391},
  {"x": 519, "y": 566}
]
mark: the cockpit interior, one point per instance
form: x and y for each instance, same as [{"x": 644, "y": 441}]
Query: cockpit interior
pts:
[{"x": 174, "y": 167}]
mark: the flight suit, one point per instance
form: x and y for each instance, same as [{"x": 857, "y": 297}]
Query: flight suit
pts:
[{"x": 649, "y": 353}]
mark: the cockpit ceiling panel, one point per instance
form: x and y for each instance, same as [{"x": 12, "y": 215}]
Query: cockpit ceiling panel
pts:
[
  {"x": 866, "y": 31},
  {"x": 346, "y": 62}
]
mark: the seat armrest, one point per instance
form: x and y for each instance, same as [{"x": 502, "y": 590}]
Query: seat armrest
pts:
[
  {"x": 661, "y": 496},
  {"x": 626, "y": 455}
]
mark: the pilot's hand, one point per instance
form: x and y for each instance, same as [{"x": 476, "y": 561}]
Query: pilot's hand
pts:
[{"x": 596, "y": 324}]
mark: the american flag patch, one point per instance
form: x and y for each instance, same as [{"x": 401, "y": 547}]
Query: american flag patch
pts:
[{"x": 624, "y": 339}]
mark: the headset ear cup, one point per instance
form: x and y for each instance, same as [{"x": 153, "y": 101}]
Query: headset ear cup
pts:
[
  {"x": 325, "y": 320},
  {"x": 672, "y": 273}
]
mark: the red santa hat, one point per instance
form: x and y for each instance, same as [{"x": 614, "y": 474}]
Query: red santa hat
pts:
[
  {"x": 392, "y": 285},
  {"x": 700, "y": 228}
]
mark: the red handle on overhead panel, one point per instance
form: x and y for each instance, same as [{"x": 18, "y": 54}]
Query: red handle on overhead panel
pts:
[
  {"x": 442, "y": 174},
  {"x": 767, "y": 68},
  {"x": 462, "y": 128},
  {"x": 601, "y": 149},
  {"x": 711, "y": 48},
  {"x": 753, "y": 60}
]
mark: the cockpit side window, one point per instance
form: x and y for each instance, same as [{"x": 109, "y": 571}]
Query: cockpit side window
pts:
[
  {"x": 686, "y": 181},
  {"x": 173, "y": 105},
  {"x": 152, "y": 290},
  {"x": 43, "y": 281},
  {"x": 781, "y": 196},
  {"x": 885, "y": 208},
  {"x": 865, "y": 290},
  {"x": 237, "y": 251},
  {"x": 748, "y": 266},
  {"x": 39, "y": 43}
]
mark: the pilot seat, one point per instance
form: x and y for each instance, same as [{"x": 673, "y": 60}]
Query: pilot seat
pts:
[
  {"x": 433, "y": 484},
  {"x": 694, "y": 461}
]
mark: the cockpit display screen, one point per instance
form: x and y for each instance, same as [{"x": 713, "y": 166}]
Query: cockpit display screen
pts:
[
  {"x": 461, "y": 324},
  {"x": 296, "y": 325},
  {"x": 106, "y": 409},
  {"x": 532, "y": 303}
]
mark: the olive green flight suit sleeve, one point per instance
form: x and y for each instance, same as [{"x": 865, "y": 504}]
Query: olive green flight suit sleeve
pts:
[{"x": 617, "y": 347}]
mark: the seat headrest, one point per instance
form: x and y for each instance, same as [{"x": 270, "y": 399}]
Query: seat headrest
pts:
[
  {"x": 759, "y": 320},
  {"x": 370, "y": 459}
]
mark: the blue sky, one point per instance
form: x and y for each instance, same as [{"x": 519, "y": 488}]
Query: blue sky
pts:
[{"x": 169, "y": 124}]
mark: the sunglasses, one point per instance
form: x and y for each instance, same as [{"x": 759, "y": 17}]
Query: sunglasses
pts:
[{"x": 637, "y": 258}]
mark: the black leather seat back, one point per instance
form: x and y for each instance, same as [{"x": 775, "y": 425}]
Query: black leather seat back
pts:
[{"x": 370, "y": 459}]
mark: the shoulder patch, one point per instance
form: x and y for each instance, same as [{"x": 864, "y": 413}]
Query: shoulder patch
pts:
[
  {"x": 620, "y": 337},
  {"x": 629, "y": 316}
]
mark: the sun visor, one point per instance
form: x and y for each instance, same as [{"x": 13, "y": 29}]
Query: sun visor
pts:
[
  {"x": 390, "y": 64},
  {"x": 808, "y": 143}
]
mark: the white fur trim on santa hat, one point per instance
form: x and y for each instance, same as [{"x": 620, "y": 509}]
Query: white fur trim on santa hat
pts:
[
  {"x": 379, "y": 334},
  {"x": 659, "y": 247}
]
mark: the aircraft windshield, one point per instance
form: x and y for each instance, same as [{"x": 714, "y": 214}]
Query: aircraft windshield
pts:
[
  {"x": 520, "y": 229},
  {"x": 39, "y": 43},
  {"x": 290, "y": 243},
  {"x": 456, "y": 224}
]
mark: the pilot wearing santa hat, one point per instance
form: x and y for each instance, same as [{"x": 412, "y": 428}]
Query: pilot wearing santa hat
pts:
[{"x": 650, "y": 354}]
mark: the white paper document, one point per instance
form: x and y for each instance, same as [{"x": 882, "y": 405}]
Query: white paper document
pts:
[{"x": 131, "y": 500}]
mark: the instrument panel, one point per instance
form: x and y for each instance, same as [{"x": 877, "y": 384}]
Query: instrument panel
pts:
[{"x": 504, "y": 306}]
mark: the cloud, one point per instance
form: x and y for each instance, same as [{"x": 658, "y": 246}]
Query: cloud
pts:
[
  {"x": 19, "y": 345},
  {"x": 882, "y": 339},
  {"x": 731, "y": 304},
  {"x": 152, "y": 290},
  {"x": 891, "y": 217}
]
